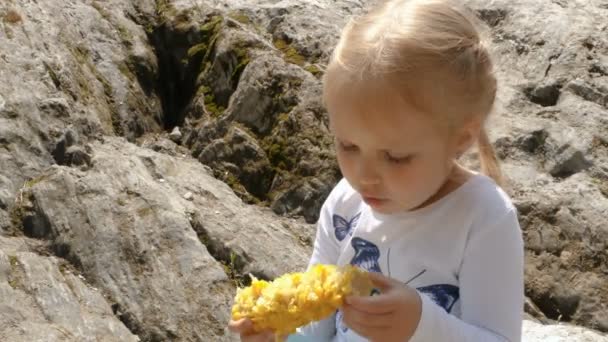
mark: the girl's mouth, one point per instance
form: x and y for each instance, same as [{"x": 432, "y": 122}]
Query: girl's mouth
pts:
[{"x": 373, "y": 201}]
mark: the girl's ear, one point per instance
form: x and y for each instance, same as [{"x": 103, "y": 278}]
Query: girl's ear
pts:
[{"x": 466, "y": 137}]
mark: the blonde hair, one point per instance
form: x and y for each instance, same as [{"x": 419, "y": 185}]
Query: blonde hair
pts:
[{"x": 431, "y": 53}]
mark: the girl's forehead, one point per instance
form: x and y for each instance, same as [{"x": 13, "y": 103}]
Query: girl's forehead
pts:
[{"x": 378, "y": 115}]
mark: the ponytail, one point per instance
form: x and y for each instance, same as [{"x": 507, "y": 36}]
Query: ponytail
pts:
[{"x": 488, "y": 159}]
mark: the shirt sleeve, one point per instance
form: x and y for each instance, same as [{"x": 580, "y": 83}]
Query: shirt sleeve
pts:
[
  {"x": 326, "y": 250},
  {"x": 491, "y": 290}
]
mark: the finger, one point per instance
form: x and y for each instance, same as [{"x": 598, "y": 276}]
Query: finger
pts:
[
  {"x": 380, "y": 304},
  {"x": 243, "y": 325},
  {"x": 265, "y": 336},
  {"x": 360, "y": 318},
  {"x": 382, "y": 282}
]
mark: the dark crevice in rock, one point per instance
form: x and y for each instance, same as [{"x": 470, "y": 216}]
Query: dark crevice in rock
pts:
[
  {"x": 129, "y": 320},
  {"x": 63, "y": 250},
  {"x": 589, "y": 92},
  {"x": 533, "y": 142},
  {"x": 175, "y": 86},
  {"x": 182, "y": 49},
  {"x": 492, "y": 17},
  {"x": 598, "y": 69},
  {"x": 559, "y": 308},
  {"x": 27, "y": 217},
  {"x": 545, "y": 95},
  {"x": 551, "y": 59}
]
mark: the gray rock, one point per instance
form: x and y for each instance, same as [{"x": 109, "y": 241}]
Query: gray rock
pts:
[
  {"x": 176, "y": 135},
  {"x": 43, "y": 299},
  {"x": 156, "y": 255},
  {"x": 567, "y": 162},
  {"x": 535, "y": 332},
  {"x": 545, "y": 95},
  {"x": 241, "y": 80},
  {"x": 77, "y": 156}
]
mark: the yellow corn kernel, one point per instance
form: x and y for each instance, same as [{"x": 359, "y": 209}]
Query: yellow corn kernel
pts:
[{"x": 296, "y": 299}]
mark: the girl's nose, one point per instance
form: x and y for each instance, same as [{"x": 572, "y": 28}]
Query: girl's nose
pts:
[{"x": 368, "y": 175}]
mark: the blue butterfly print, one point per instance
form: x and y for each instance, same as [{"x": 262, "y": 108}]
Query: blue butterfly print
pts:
[
  {"x": 445, "y": 295},
  {"x": 366, "y": 255},
  {"x": 344, "y": 227},
  {"x": 340, "y": 323}
]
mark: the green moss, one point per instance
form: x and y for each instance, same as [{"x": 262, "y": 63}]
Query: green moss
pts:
[
  {"x": 107, "y": 87},
  {"x": 290, "y": 53},
  {"x": 313, "y": 69},
  {"x": 18, "y": 212},
  {"x": 210, "y": 105},
  {"x": 149, "y": 27},
  {"x": 13, "y": 260},
  {"x": 198, "y": 59},
  {"x": 212, "y": 27},
  {"x": 278, "y": 152},
  {"x": 53, "y": 75},
  {"x": 145, "y": 211},
  {"x": 196, "y": 50},
  {"x": 31, "y": 182},
  {"x": 604, "y": 189},
  {"x": 125, "y": 69},
  {"x": 243, "y": 59},
  {"x": 602, "y": 185},
  {"x": 202, "y": 90},
  {"x": 116, "y": 123},
  {"x": 125, "y": 36},
  {"x": 295, "y": 82},
  {"x": 231, "y": 267},
  {"x": 82, "y": 55},
  {"x": 165, "y": 8},
  {"x": 209, "y": 33},
  {"x": 240, "y": 16},
  {"x": 234, "y": 183},
  {"x": 62, "y": 268}
]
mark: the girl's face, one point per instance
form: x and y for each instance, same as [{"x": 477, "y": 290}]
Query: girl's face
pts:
[{"x": 395, "y": 156}]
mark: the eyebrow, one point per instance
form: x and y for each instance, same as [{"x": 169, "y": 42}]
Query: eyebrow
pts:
[{"x": 400, "y": 153}]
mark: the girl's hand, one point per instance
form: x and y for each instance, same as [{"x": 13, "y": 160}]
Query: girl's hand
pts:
[
  {"x": 391, "y": 316},
  {"x": 244, "y": 328}
]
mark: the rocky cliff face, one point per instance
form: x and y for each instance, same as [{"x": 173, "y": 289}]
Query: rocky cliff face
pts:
[{"x": 154, "y": 152}]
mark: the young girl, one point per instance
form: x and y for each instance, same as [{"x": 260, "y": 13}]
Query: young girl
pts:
[{"x": 408, "y": 90}]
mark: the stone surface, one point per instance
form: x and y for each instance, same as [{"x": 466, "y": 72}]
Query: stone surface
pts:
[
  {"x": 534, "y": 332},
  {"x": 164, "y": 241},
  {"x": 43, "y": 299}
]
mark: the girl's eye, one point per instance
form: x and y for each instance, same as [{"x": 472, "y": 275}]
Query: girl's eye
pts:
[
  {"x": 398, "y": 160},
  {"x": 347, "y": 147}
]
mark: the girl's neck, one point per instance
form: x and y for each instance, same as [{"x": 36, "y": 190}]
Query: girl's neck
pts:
[{"x": 457, "y": 177}]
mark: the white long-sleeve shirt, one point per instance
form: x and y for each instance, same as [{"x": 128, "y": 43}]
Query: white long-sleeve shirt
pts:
[{"x": 463, "y": 254}]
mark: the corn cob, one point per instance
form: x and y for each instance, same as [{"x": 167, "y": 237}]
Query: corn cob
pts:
[{"x": 296, "y": 299}]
